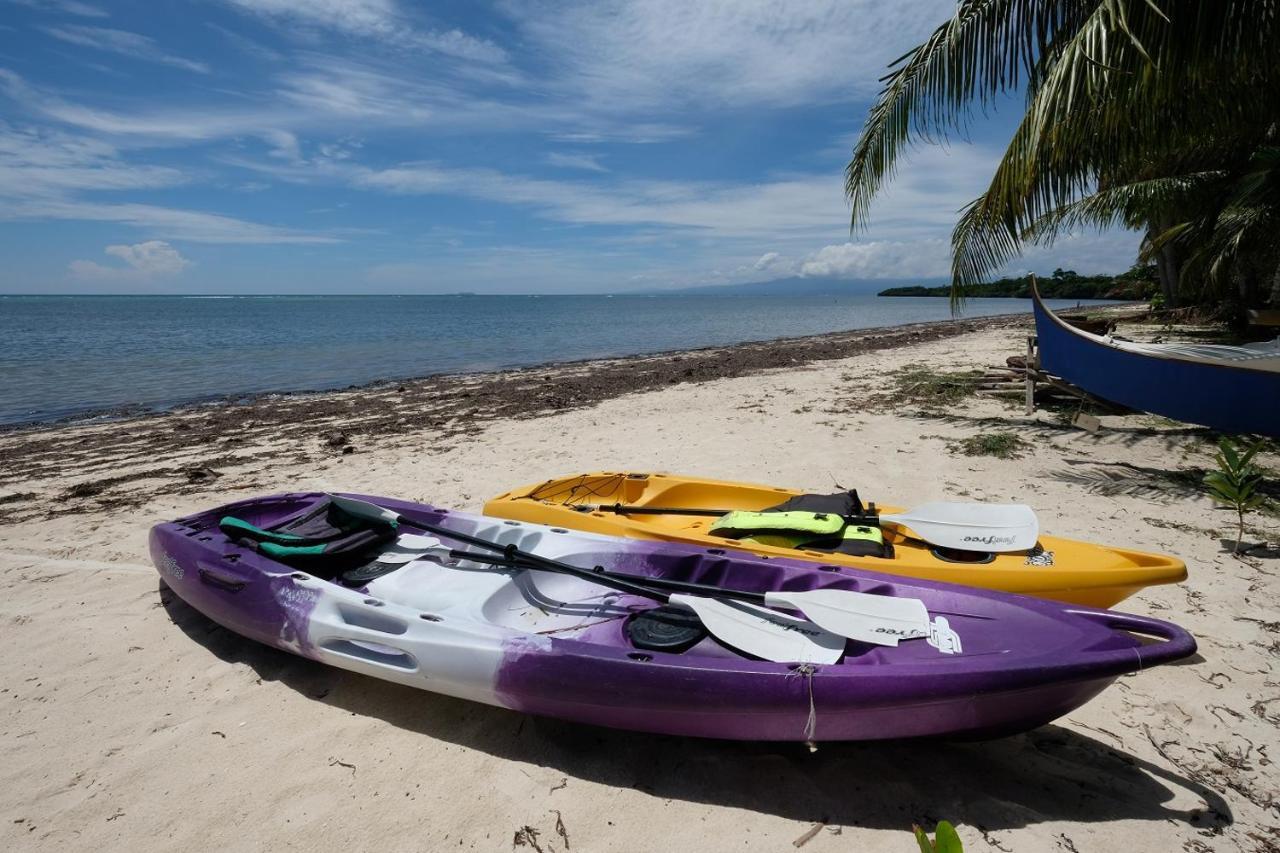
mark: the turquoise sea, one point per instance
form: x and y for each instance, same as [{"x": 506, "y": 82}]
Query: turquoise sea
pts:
[{"x": 70, "y": 356}]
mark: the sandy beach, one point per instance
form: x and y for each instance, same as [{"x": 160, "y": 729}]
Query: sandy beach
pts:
[{"x": 131, "y": 721}]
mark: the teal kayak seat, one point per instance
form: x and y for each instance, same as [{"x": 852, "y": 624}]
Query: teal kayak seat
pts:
[{"x": 324, "y": 537}]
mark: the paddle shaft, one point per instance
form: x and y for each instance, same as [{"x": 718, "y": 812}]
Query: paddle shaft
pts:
[
  {"x": 511, "y": 553},
  {"x": 598, "y": 572},
  {"x": 628, "y": 509}
]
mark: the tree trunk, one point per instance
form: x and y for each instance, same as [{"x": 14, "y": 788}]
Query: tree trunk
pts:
[
  {"x": 1275, "y": 289},
  {"x": 1166, "y": 267}
]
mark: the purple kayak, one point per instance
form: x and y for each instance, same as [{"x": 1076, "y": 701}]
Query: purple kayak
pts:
[{"x": 398, "y": 605}]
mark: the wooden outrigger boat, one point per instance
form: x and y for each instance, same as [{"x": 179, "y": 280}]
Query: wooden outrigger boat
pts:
[{"x": 1227, "y": 388}]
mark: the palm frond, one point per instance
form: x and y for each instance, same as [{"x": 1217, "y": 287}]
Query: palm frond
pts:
[{"x": 1121, "y": 94}]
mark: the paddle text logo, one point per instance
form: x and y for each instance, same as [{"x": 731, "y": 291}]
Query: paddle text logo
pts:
[
  {"x": 798, "y": 627},
  {"x": 991, "y": 540}
]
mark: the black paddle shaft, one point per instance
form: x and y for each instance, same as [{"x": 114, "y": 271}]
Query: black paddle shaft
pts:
[
  {"x": 512, "y": 554},
  {"x": 519, "y": 562},
  {"x": 872, "y": 519}
]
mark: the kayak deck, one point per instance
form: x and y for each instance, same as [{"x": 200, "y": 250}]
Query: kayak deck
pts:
[{"x": 1061, "y": 569}]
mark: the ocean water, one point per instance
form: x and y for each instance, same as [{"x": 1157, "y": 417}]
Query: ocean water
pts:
[{"x": 65, "y": 356}]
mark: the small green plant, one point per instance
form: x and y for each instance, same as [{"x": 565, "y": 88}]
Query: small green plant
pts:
[
  {"x": 1237, "y": 480},
  {"x": 945, "y": 839},
  {"x": 1002, "y": 445}
]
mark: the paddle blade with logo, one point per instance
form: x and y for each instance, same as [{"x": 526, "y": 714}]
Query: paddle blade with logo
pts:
[
  {"x": 971, "y": 526},
  {"x": 766, "y": 634},
  {"x": 879, "y": 619}
]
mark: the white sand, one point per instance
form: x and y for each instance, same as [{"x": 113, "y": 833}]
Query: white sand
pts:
[{"x": 132, "y": 722}]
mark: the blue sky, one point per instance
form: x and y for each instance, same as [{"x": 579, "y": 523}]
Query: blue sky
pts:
[{"x": 351, "y": 146}]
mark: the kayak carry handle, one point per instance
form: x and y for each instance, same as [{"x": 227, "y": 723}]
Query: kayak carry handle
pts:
[
  {"x": 222, "y": 582},
  {"x": 1176, "y": 642}
]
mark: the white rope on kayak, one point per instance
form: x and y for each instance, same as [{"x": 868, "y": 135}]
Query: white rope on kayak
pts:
[{"x": 811, "y": 724}]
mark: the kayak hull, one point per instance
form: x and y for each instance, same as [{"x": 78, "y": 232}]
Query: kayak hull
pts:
[
  {"x": 1063, "y": 570},
  {"x": 554, "y": 645}
]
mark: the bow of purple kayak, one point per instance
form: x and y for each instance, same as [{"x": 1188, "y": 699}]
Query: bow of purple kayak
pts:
[{"x": 556, "y": 645}]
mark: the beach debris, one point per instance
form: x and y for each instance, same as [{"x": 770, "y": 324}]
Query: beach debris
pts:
[
  {"x": 1002, "y": 445},
  {"x": 334, "y": 438},
  {"x": 83, "y": 490},
  {"x": 560, "y": 830},
  {"x": 921, "y": 384},
  {"x": 527, "y": 836},
  {"x": 348, "y": 449},
  {"x": 200, "y": 474},
  {"x": 1086, "y": 422},
  {"x": 336, "y": 762},
  {"x": 808, "y": 835},
  {"x": 1260, "y": 710}
]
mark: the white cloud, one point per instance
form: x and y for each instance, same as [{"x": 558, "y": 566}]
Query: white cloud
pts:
[
  {"x": 1087, "y": 252},
  {"x": 154, "y": 257},
  {"x": 730, "y": 53},
  {"x": 353, "y": 91},
  {"x": 123, "y": 43},
  {"x": 47, "y": 174},
  {"x": 880, "y": 259},
  {"x": 192, "y": 226},
  {"x": 284, "y": 145},
  {"x": 70, "y": 7},
  {"x": 382, "y": 20},
  {"x": 142, "y": 261},
  {"x": 796, "y": 204},
  {"x": 921, "y": 204},
  {"x": 588, "y": 162},
  {"x": 767, "y": 261},
  {"x": 326, "y": 94},
  {"x": 36, "y": 163}
]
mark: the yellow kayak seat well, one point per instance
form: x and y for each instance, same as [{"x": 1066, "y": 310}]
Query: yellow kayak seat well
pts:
[{"x": 1061, "y": 569}]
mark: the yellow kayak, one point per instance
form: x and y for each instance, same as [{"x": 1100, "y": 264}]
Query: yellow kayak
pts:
[{"x": 615, "y": 504}]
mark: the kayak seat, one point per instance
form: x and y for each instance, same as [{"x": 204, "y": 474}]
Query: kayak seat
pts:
[
  {"x": 325, "y": 541},
  {"x": 826, "y": 523}
]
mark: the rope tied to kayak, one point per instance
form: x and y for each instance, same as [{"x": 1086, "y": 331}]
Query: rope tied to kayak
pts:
[{"x": 806, "y": 670}]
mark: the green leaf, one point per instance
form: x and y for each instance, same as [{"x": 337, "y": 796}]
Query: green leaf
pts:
[
  {"x": 922, "y": 838},
  {"x": 1249, "y": 453},
  {"x": 1229, "y": 451},
  {"x": 946, "y": 839}
]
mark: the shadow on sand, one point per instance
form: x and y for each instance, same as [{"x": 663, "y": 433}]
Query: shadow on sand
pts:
[
  {"x": 1172, "y": 437},
  {"x": 1049, "y": 774}
]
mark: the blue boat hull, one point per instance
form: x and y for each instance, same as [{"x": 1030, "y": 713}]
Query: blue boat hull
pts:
[{"x": 1225, "y": 397}]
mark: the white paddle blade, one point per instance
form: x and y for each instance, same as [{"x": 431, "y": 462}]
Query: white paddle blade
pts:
[
  {"x": 763, "y": 633},
  {"x": 972, "y": 526},
  {"x": 364, "y": 509},
  {"x": 879, "y": 619}
]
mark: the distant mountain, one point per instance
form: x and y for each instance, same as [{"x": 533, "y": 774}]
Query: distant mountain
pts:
[{"x": 798, "y": 286}]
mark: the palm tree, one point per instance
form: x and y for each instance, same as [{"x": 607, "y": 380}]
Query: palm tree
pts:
[{"x": 1137, "y": 111}]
